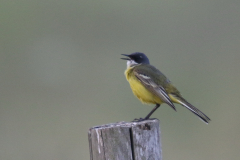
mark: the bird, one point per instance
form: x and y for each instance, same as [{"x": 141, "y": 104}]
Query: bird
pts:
[{"x": 151, "y": 86}]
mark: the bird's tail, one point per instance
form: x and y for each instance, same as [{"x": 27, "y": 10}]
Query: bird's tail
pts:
[{"x": 193, "y": 109}]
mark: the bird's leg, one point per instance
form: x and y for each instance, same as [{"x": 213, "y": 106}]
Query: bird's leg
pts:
[
  {"x": 149, "y": 114},
  {"x": 154, "y": 109}
]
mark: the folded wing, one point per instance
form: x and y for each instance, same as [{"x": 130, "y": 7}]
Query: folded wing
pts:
[{"x": 157, "y": 90}]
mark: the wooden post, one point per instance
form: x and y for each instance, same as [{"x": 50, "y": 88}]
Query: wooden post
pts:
[{"x": 126, "y": 141}]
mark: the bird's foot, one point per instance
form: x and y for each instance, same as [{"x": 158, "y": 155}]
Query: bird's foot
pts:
[{"x": 139, "y": 119}]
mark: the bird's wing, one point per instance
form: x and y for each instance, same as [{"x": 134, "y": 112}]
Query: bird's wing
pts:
[{"x": 156, "y": 89}]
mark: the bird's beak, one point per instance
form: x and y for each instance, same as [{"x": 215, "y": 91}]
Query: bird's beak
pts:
[{"x": 126, "y": 56}]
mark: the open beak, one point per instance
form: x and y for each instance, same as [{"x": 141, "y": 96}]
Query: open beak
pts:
[{"x": 126, "y": 56}]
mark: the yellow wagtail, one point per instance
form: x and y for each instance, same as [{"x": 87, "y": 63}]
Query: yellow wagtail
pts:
[{"x": 151, "y": 86}]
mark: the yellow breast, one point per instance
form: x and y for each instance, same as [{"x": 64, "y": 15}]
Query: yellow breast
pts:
[{"x": 143, "y": 94}]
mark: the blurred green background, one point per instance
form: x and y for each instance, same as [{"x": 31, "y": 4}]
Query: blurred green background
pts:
[{"x": 61, "y": 74}]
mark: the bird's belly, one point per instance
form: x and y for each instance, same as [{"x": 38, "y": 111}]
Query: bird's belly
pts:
[{"x": 143, "y": 94}]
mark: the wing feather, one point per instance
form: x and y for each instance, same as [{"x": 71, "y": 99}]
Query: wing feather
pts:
[{"x": 156, "y": 89}]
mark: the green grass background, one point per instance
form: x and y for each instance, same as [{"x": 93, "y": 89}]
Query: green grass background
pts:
[{"x": 61, "y": 74}]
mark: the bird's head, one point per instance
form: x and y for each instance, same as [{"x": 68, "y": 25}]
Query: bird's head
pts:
[{"x": 136, "y": 58}]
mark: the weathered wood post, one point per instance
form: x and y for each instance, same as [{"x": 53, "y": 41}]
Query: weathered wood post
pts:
[{"x": 126, "y": 141}]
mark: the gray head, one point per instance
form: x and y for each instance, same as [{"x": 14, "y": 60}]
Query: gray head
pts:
[{"x": 136, "y": 58}]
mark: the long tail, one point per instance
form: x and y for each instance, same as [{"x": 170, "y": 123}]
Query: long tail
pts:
[{"x": 193, "y": 109}]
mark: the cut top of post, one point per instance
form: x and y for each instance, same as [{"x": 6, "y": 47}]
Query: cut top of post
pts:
[{"x": 126, "y": 141}]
